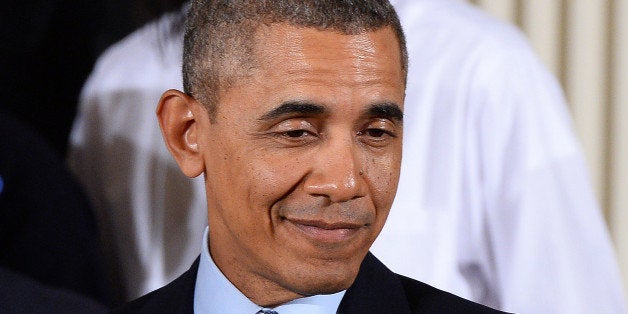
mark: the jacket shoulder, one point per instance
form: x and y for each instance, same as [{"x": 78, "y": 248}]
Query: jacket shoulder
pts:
[
  {"x": 424, "y": 298},
  {"x": 176, "y": 297},
  {"x": 377, "y": 289}
]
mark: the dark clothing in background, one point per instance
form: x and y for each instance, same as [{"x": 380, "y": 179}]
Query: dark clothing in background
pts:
[
  {"x": 47, "y": 229},
  {"x": 48, "y": 51},
  {"x": 19, "y": 294}
]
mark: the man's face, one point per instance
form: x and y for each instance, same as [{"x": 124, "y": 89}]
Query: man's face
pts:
[{"x": 302, "y": 160}]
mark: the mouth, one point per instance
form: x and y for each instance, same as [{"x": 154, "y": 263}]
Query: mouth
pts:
[{"x": 326, "y": 232}]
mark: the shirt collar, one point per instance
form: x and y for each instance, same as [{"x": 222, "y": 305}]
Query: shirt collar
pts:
[{"x": 214, "y": 293}]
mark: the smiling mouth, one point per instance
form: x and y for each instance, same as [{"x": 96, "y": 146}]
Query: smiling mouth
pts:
[{"x": 324, "y": 232}]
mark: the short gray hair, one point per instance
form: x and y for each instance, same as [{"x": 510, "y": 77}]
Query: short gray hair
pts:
[{"x": 220, "y": 34}]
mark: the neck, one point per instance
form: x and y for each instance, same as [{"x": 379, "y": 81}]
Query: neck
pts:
[{"x": 256, "y": 287}]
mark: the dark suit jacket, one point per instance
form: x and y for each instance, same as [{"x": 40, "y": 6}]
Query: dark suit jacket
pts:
[{"x": 375, "y": 290}]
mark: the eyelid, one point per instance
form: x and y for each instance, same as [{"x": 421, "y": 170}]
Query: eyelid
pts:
[
  {"x": 293, "y": 132},
  {"x": 292, "y": 124},
  {"x": 383, "y": 124}
]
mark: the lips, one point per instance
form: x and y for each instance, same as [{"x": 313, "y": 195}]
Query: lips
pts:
[{"x": 326, "y": 232}]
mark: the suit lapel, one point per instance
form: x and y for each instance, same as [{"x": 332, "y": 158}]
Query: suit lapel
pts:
[
  {"x": 183, "y": 290},
  {"x": 376, "y": 290},
  {"x": 176, "y": 297}
]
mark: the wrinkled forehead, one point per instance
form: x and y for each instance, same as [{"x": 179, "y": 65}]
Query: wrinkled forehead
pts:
[
  {"x": 346, "y": 73},
  {"x": 293, "y": 49}
]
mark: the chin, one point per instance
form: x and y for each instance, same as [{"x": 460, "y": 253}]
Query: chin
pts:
[
  {"x": 327, "y": 280},
  {"x": 334, "y": 287},
  {"x": 325, "y": 287}
]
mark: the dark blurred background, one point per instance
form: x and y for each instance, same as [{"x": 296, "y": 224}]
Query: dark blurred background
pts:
[
  {"x": 49, "y": 48},
  {"x": 50, "y": 254}
]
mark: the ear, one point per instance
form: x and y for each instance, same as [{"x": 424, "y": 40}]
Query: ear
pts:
[{"x": 179, "y": 118}]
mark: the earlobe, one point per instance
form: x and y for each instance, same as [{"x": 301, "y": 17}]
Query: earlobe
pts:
[{"x": 180, "y": 130}]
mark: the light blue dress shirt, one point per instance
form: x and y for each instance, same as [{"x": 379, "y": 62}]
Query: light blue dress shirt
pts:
[{"x": 214, "y": 293}]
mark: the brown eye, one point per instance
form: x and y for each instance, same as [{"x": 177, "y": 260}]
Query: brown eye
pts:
[
  {"x": 296, "y": 133},
  {"x": 375, "y": 132}
]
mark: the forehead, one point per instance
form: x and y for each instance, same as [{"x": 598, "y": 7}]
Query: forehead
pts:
[
  {"x": 301, "y": 52},
  {"x": 344, "y": 74}
]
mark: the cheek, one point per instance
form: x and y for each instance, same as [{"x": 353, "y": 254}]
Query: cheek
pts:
[
  {"x": 274, "y": 178},
  {"x": 383, "y": 178}
]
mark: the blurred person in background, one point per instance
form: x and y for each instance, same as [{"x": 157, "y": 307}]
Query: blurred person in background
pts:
[
  {"x": 48, "y": 234},
  {"x": 50, "y": 257}
]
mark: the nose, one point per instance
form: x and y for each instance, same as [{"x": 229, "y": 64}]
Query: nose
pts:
[{"x": 337, "y": 172}]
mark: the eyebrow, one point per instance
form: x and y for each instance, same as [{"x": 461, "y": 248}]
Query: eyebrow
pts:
[
  {"x": 390, "y": 111},
  {"x": 294, "y": 107}
]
